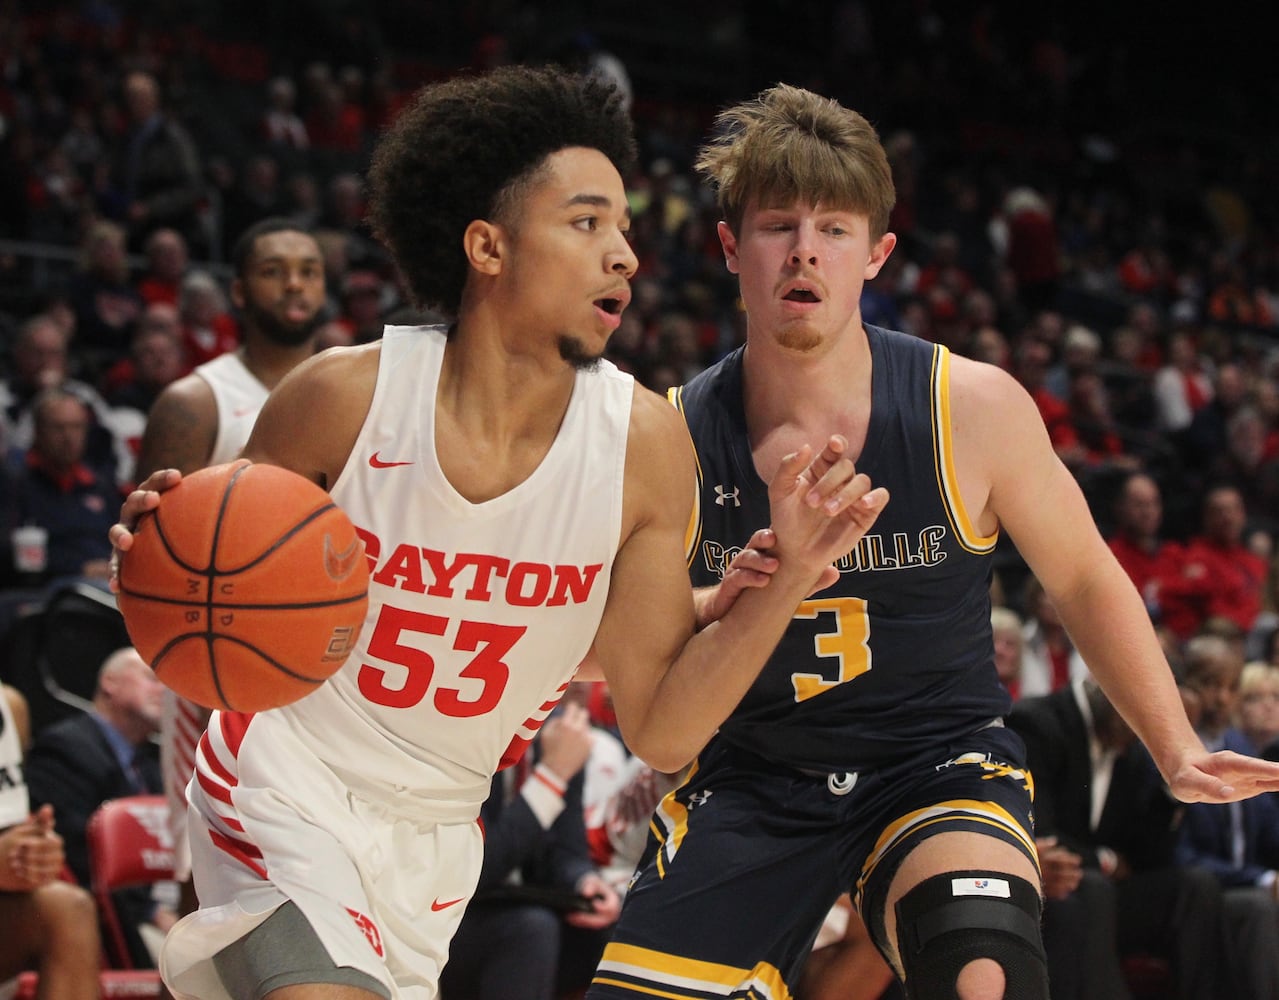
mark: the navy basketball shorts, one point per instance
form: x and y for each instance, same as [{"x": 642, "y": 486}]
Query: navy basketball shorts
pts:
[{"x": 745, "y": 859}]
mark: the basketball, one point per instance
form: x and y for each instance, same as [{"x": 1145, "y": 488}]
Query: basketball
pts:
[{"x": 246, "y": 588}]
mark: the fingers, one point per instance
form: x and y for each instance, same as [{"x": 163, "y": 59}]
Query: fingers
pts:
[
  {"x": 753, "y": 565},
  {"x": 43, "y": 818},
  {"x": 827, "y": 458}
]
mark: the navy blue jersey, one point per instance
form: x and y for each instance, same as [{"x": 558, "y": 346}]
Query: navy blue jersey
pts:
[{"x": 898, "y": 653}]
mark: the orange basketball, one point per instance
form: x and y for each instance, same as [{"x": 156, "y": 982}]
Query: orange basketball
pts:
[{"x": 246, "y": 588}]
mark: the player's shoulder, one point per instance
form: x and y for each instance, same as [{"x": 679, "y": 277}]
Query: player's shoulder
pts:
[
  {"x": 653, "y": 419},
  {"x": 658, "y": 450},
  {"x": 337, "y": 372},
  {"x": 189, "y": 398},
  {"x": 978, "y": 387}
]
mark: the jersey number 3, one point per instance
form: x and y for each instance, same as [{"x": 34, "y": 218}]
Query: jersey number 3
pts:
[
  {"x": 848, "y": 643},
  {"x": 489, "y": 642}
]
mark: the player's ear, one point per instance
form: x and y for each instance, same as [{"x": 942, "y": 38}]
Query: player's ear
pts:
[
  {"x": 728, "y": 240},
  {"x": 484, "y": 245}
]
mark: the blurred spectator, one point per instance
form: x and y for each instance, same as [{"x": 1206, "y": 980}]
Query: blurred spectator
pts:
[
  {"x": 1243, "y": 463},
  {"x": 302, "y": 200},
  {"x": 41, "y": 360},
  {"x": 363, "y": 305},
  {"x": 104, "y": 299},
  {"x": 1220, "y": 575},
  {"x": 1099, "y": 794},
  {"x": 944, "y": 269},
  {"x": 991, "y": 346},
  {"x": 255, "y": 196},
  {"x": 1213, "y": 669},
  {"x": 157, "y": 169},
  {"x": 1006, "y": 626},
  {"x": 1238, "y": 841},
  {"x": 1032, "y": 359},
  {"x": 1259, "y": 706},
  {"x": 55, "y": 490},
  {"x": 81, "y": 761},
  {"x": 1146, "y": 557},
  {"x": 1049, "y": 659},
  {"x": 1207, "y": 435},
  {"x": 334, "y": 123},
  {"x": 1127, "y": 381},
  {"x": 50, "y": 925},
  {"x": 344, "y": 212},
  {"x": 1080, "y": 352},
  {"x": 541, "y": 911},
  {"x": 1183, "y": 386},
  {"x": 208, "y": 328},
  {"x": 156, "y": 358},
  {"x": 281, "y": 125},
  {"x": 1030, "y": 247},
  {"x": 167, "y": 259},
  {"x": 1101, "y": 446}
]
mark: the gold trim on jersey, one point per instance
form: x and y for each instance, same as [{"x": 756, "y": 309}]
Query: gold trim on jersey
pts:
[
  {"x": 944, "y": 460},
  {"x": 674, "y": 976},
  {"x": 693, "y": 533},
  {"x": 961, "y": 810}
]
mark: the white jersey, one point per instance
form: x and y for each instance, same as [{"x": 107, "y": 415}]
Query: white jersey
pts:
[
  {"x": 14, "y": 807},
  {"x": 239, "y": 397},
  {"x": 478, "y": 613}
]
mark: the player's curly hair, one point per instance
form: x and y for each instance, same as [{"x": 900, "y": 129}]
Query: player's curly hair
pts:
[
  {"x": 464, "y": 149},
  {"x": 790, "y": 144}
]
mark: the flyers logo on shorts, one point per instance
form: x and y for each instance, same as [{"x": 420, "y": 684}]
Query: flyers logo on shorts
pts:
[{"x": 369, "y": 929}]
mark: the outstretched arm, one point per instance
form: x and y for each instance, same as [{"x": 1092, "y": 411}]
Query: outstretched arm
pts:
[{"x": 1039, "y": 503}]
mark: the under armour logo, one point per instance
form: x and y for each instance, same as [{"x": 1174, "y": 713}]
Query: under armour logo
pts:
[
  {"x": 698, "y": 799},
  {"x": 722, "y": 496}
]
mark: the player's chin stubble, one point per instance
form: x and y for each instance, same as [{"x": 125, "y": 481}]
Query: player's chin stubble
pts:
[{"x": 573, "y": 351}]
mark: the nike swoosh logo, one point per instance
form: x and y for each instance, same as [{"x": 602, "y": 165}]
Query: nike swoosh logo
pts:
[
  {"x": 438, "y": 905},
  {"x": 376, "y": 462}
]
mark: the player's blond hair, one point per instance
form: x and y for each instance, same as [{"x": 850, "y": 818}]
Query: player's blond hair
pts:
[{"x": 788, "y": 145}]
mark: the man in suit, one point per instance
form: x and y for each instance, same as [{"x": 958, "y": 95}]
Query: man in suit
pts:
[
  {"x": 541, "y": 912},
  {"x": 79, "y": 762},
  {"x": 1099, "y": 795},
  {"x": 1238, "y": 842}
]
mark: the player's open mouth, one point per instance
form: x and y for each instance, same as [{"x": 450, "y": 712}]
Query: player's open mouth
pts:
[
  {"x": 801, "y": 295},
  {"x": 613, "y": 307}
]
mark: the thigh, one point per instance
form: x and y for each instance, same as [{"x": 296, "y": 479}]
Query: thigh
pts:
[
  {"x": 965, "y": 808},
  {"x": 740, "y": 870}
]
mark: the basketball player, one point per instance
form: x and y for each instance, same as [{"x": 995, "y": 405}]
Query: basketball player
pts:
[
  {"x": 870, "y": 756},
  {"x": 204, "y": 419},
  {"x": 523, "y": 504}
]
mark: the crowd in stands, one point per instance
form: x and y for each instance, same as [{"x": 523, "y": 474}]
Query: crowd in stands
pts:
[{"x": 1129, "y": 280}]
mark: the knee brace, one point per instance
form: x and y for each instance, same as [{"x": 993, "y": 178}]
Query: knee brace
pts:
[{"x": 947, "y": 921}]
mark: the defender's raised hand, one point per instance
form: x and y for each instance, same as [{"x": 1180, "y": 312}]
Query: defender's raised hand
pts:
[{"x": 821, "y": 505}]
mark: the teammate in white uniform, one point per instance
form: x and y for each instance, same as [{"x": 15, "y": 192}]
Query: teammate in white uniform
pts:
[
  {"x": 205, "y": 419},
  {"x": 49, "y": 925},
  {"x": 523, "y": 505}
]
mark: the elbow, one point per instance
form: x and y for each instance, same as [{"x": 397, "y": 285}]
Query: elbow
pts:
[{"x": 659, "y": 752}]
